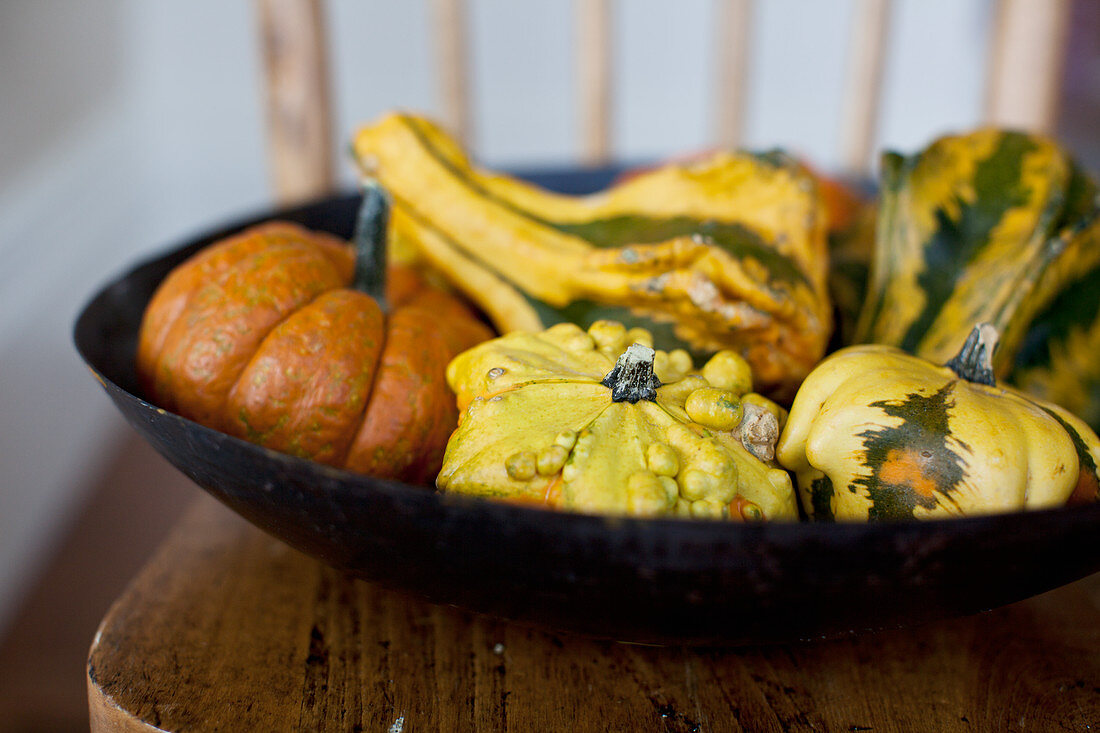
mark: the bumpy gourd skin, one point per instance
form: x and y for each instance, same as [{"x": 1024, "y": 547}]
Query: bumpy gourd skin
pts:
[
  {"x": 537, "y": 425},
  {"x": 877, "y": 434},
  {"x": 726, "y": 253}
]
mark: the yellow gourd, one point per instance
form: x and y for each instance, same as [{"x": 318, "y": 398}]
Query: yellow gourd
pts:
[
  {"x": 877, "y": 434},
  {"x": 723, "y": 253},
  {"x": 598, "y": 421}
]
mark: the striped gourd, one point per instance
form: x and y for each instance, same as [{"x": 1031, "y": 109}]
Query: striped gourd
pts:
[
  {"x": 1059, "y": 359},
  {"x": 992, "y": 226},
  {"x": 877, "y": 434},
  {"x": 724, "y": 253}
]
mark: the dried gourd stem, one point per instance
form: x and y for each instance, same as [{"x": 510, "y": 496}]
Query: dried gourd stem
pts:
[
  {"x": 370, "y": 242},
  {"x": 633, "y": 379},
  {"x": 974, "y": 362},
  {"x": 759, "y": 431}
]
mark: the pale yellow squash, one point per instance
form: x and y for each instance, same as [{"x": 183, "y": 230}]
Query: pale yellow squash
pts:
[{"x": 877, "y": 434}]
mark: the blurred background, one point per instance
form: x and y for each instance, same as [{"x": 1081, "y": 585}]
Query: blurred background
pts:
[{"x": 127, "y": 126}]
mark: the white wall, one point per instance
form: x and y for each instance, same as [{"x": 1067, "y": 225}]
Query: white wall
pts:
[
  {"x": 126, "y": 125},
  {"x": 123, "y": 126}
]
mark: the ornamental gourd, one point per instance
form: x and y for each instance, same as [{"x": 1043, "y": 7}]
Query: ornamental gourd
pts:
[
  {"x": 291, "y": 339},
  {"x": 877, "y": 434},
  {"x": 999, "y": 227},
  {"x": 723, "y": 253},
  {"x": 599, "y": 422}
]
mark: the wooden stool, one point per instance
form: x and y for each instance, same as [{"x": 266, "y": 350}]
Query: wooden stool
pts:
[{"x": 227, "y": 628}]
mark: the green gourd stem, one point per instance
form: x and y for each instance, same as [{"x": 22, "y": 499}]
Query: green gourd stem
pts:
[
  {"x": 633, "y": 379},
  {"x": 974, "y": 362},
  {"x": 370, "y": 242}
]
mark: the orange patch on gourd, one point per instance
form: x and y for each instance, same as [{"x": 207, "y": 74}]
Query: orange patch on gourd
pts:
[
  {"x": 904, "y": 467},
  {"x": 1086, "y": 491},
  {"x": 741, "y": 508},
  {"x": 552, "y": 497}
]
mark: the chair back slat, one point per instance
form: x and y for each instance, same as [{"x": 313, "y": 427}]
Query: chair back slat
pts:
[
  {"x": 1027, "y": 56},
  {"x": 452, "y": 49},
  {"x": 1026, "y": 63},
  {"x": 594, "y": 54},
  {"x": 299, "y": 112},
  {"x": 733, "y": 44},
  {"x": 866, "y": 62}
]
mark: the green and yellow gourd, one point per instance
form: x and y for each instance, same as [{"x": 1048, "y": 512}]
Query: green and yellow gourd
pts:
[
  {"x": 877, "y": 434},
  {"x": 598, "y": 421},
  {"x": 724, "y": 253},
  {"x": 1000, "y": 227},
  {"x": 1059, "y": 359}
]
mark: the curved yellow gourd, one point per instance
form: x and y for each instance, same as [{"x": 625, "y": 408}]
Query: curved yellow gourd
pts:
[
  {"x": 597, "y": 421},
  {"x": 723, "y": 253},
  {"x": 875, "y": 433}
]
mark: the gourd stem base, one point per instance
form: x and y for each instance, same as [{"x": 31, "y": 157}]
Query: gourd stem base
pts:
[
  {"x": 632, "y": 378},
  {"x": 370, "y": 243},
  {"x": 974, "y": 362}
]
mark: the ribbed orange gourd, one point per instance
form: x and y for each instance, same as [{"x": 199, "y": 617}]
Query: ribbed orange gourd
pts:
[{"x": 293, "y": 340}]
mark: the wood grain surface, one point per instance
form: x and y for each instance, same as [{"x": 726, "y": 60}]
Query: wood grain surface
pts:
[
  {"x": 229, "y": 629},
  {"x": 300, "y": 133}
]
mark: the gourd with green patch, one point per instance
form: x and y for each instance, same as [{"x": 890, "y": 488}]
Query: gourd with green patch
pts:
[
  {"x": 598, "y": 421},
  {"x": 1000, "y": 227},
  {"x": 878, "y": 434},
  {"x": 724, "y": 253}
]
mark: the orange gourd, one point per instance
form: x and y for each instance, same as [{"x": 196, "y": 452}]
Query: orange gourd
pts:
[{"x": 293, "y": 340}]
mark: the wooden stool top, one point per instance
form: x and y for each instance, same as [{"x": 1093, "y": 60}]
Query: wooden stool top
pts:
[{"x": 227, "y": 628}]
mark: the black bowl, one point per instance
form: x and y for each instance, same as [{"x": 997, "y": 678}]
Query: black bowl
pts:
[{"x": 656, "y": 581}]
